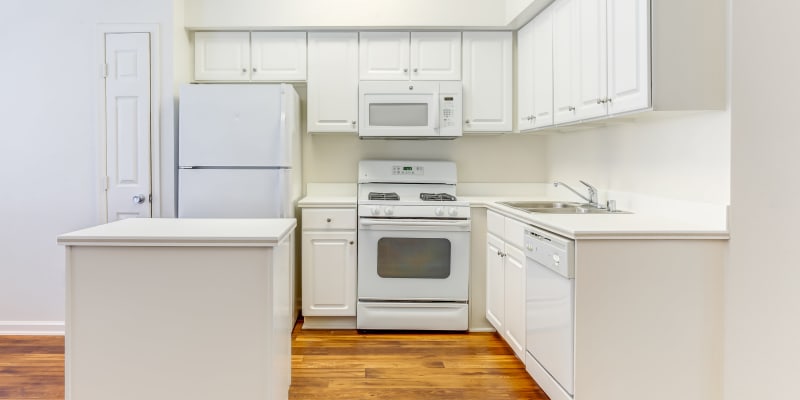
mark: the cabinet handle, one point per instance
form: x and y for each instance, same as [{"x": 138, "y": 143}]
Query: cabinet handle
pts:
[
  {"x": 329, "y": 220},
  {"x": 571, "y": 108}
]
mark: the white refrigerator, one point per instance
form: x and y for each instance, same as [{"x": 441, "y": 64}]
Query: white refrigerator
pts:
[{"x": 238, "y": 151}]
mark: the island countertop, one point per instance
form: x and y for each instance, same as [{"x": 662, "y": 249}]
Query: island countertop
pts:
[{"x": 183, "y": 232}]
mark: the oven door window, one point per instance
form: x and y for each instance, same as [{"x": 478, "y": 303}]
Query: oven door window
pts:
[{"x": 422, "y": 258}]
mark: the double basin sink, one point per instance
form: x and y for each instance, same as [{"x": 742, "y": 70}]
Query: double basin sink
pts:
[{"x": 558, "y": 207}]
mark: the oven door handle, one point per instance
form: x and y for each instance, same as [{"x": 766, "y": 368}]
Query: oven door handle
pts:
[{"x": 416, "y": 223}]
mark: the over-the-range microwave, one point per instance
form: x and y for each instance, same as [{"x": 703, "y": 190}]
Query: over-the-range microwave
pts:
[{"x": 409, "y": 109}]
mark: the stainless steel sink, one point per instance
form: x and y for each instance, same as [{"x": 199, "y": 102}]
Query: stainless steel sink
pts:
[{"x": 558, "y": 207}]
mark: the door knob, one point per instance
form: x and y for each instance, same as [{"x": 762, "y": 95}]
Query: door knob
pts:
[{"x": 138, "y": 199}]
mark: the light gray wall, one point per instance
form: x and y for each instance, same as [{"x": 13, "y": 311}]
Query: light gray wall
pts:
[
  {"x": 48, "y": 116},
  {"x": 762, "y": 318}
]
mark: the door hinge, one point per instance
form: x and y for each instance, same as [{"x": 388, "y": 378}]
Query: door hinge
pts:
[{"x": 105, "y": 70}]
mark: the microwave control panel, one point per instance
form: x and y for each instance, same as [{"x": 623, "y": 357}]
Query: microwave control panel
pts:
[{"x": 448, "y": 109}]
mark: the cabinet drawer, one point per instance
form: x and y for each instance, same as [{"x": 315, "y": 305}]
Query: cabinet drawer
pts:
[
  {"x": 514, "y": 233},
  {"x": 495, "y": 223},
  {"x": 329, "y": 218}
]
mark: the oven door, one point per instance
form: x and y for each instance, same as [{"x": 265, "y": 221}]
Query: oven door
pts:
[
  {"x": 413, "y": 260},
  {"x": 398, "y": 109}
]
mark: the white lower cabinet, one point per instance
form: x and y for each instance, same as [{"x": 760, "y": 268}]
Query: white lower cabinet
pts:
[
  {"x": 505, "y": 280},
  {"x": 329, "y": 263}
]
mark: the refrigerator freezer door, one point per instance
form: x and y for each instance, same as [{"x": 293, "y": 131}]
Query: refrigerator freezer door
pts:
[
  {"x": 233, "y": 126},
  {"x": 234, "y": 193}
]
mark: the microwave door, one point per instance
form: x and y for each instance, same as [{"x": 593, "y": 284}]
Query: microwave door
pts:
[{"x": 399, "y": 115}]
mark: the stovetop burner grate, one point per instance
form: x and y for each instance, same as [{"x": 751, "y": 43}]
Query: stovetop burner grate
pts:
[
  {"x": 437, "y": 197},
  {"x": 383, "y": 196}
]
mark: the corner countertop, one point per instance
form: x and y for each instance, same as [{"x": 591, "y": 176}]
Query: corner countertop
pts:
[
  {"x": 638, "y": 225},
  {"x": 183, "y": 232}
]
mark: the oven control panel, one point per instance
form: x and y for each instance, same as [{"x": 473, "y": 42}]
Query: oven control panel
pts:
[{"x": 416, "y": 170}]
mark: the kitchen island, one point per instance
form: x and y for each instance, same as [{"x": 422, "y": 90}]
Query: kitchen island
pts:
[{"x": 179, "y": 309}]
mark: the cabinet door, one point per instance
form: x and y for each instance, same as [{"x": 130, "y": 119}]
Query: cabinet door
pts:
[
  {"x": 564, "y": 63},
  {"x": 543, "y": 70},
  {"x": 332, "y": 81},
  {"x": 222, "y": 56},
  {"x": 488, "y": 94},
  {"x": 329, "y": 273},
  {"x": 514, "y": 323},
  {"x": 525, "y": 85},
  {"x": 383, "y": 56},
  {"x": 628, "y": 57},
  {"x": 435, "y": 56},
  {"x": 590, "y": 69},
  {"x": 495, "y": 282},
  {"x": 278, "y": 56}
]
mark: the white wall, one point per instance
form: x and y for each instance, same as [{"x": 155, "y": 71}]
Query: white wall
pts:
[
  {"x": 684, "y": 157},
  {"x": 763, "y": 278},
  {"x": 48, "y": 154},
  {"x": 343, "y": 13}
]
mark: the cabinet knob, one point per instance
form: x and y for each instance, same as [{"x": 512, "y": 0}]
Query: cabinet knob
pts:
[
  {"x": 405, "y": 69},
  {"x": 353, "y": 123},
  {"x": 329, "y": 220},
  {"x": 352, "y": 242},
  {"x": 467, "y": 121},
  {"x": 255, "y": 70},
  {"x": 608, "y": 99},
  {"x": 244, "y": 70},
  {"x": 600, "y": 101},
  {"x": 416, "y": 70},
  {"x": 411, "y": 88},
  {"x": 571, "y": 108}
]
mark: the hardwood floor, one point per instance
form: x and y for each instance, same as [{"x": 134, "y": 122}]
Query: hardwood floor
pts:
[{"x": 329, "y": 365}]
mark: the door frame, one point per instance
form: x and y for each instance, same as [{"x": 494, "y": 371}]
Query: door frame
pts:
[{"x": 155, "y": 115}]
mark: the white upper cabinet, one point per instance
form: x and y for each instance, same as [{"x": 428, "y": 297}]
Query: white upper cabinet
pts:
[
  {"x": 487, "y": 76},
  {"x": 628, "y": 57},
  {"x": 278, "y": 56},
  {"x": 535, "y": 73},
  {"x": 565, "y": 14},
  {"x": 332, "y": 82},
  {"x": 410, "y": 56},
  {"x": 435, "y": 56},
  {"x": 589, "y": 87},
  {"x": 246, "y": 56},
  {"x": 222, "y": 56}
]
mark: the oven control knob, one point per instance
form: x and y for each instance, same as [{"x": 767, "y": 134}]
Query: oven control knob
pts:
[
  {"x": 439, "y": 211},
  {"x": 452, "y": 211},
  {"x": 375, "y": 211},
  {"x": 388, "y": 210}
]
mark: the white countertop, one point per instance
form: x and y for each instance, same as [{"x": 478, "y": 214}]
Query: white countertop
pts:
[
  {"x": 605, "y": 226},
  {"x": 183, "y": 232}
]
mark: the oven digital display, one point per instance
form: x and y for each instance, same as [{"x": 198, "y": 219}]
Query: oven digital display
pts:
[{"x": 408, "y": 170}]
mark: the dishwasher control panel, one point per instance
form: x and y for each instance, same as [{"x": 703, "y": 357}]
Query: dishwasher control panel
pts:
[{"x": 550, "y": 250}]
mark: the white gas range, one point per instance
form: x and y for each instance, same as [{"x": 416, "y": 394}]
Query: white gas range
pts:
[{"x": 413, "y": 247}]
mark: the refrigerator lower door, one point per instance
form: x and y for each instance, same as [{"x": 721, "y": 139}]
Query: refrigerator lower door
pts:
[{"x": 234, "y": 193}]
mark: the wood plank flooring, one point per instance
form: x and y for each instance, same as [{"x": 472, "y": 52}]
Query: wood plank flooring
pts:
[{"x": 343, "y": 364}]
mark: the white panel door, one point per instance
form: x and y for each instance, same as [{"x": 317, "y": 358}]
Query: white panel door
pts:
[
  {"x": 436, "y": 56},
  {"x": 383, "y": 56},
  {"x": 525, "y": 86},
  {"x": 565, "y": 13},
  {"x": 329, "y": 273},
  {"x": 232, "y": 125},
  {"x": 278, "y": 56},
  {"x": 543, "y": 69},
  {"x": 222, "y": 56},
  {"x": 591, "y": 75},
  {"x": 495, "y": 282},
  {"x": 332, "y": 82},
  {"x": 628, "y": 56},
  {"x": 234, "y": 193},
  {"x": 487, "y": 68},
  {"x": 127, "y": 128},
  {"x": 514, "y": 323}
]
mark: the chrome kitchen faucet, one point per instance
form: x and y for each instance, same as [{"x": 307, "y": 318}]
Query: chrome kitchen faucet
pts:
[{"x": 592, "y": 199}]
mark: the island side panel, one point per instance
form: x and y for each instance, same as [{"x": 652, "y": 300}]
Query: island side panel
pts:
[
  {"x": 170, "y": 322},
  {"x": 648, "y": 319}
]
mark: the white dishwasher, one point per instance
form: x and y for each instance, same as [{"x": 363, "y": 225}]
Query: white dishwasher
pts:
[{"x": 550, "y": 310}]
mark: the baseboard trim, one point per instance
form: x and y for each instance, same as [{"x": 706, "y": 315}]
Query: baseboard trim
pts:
[
  {"x": 32, "y": 328},
  {"x": 329, "y": 322},
  {"x": 482, "y": 330}
]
